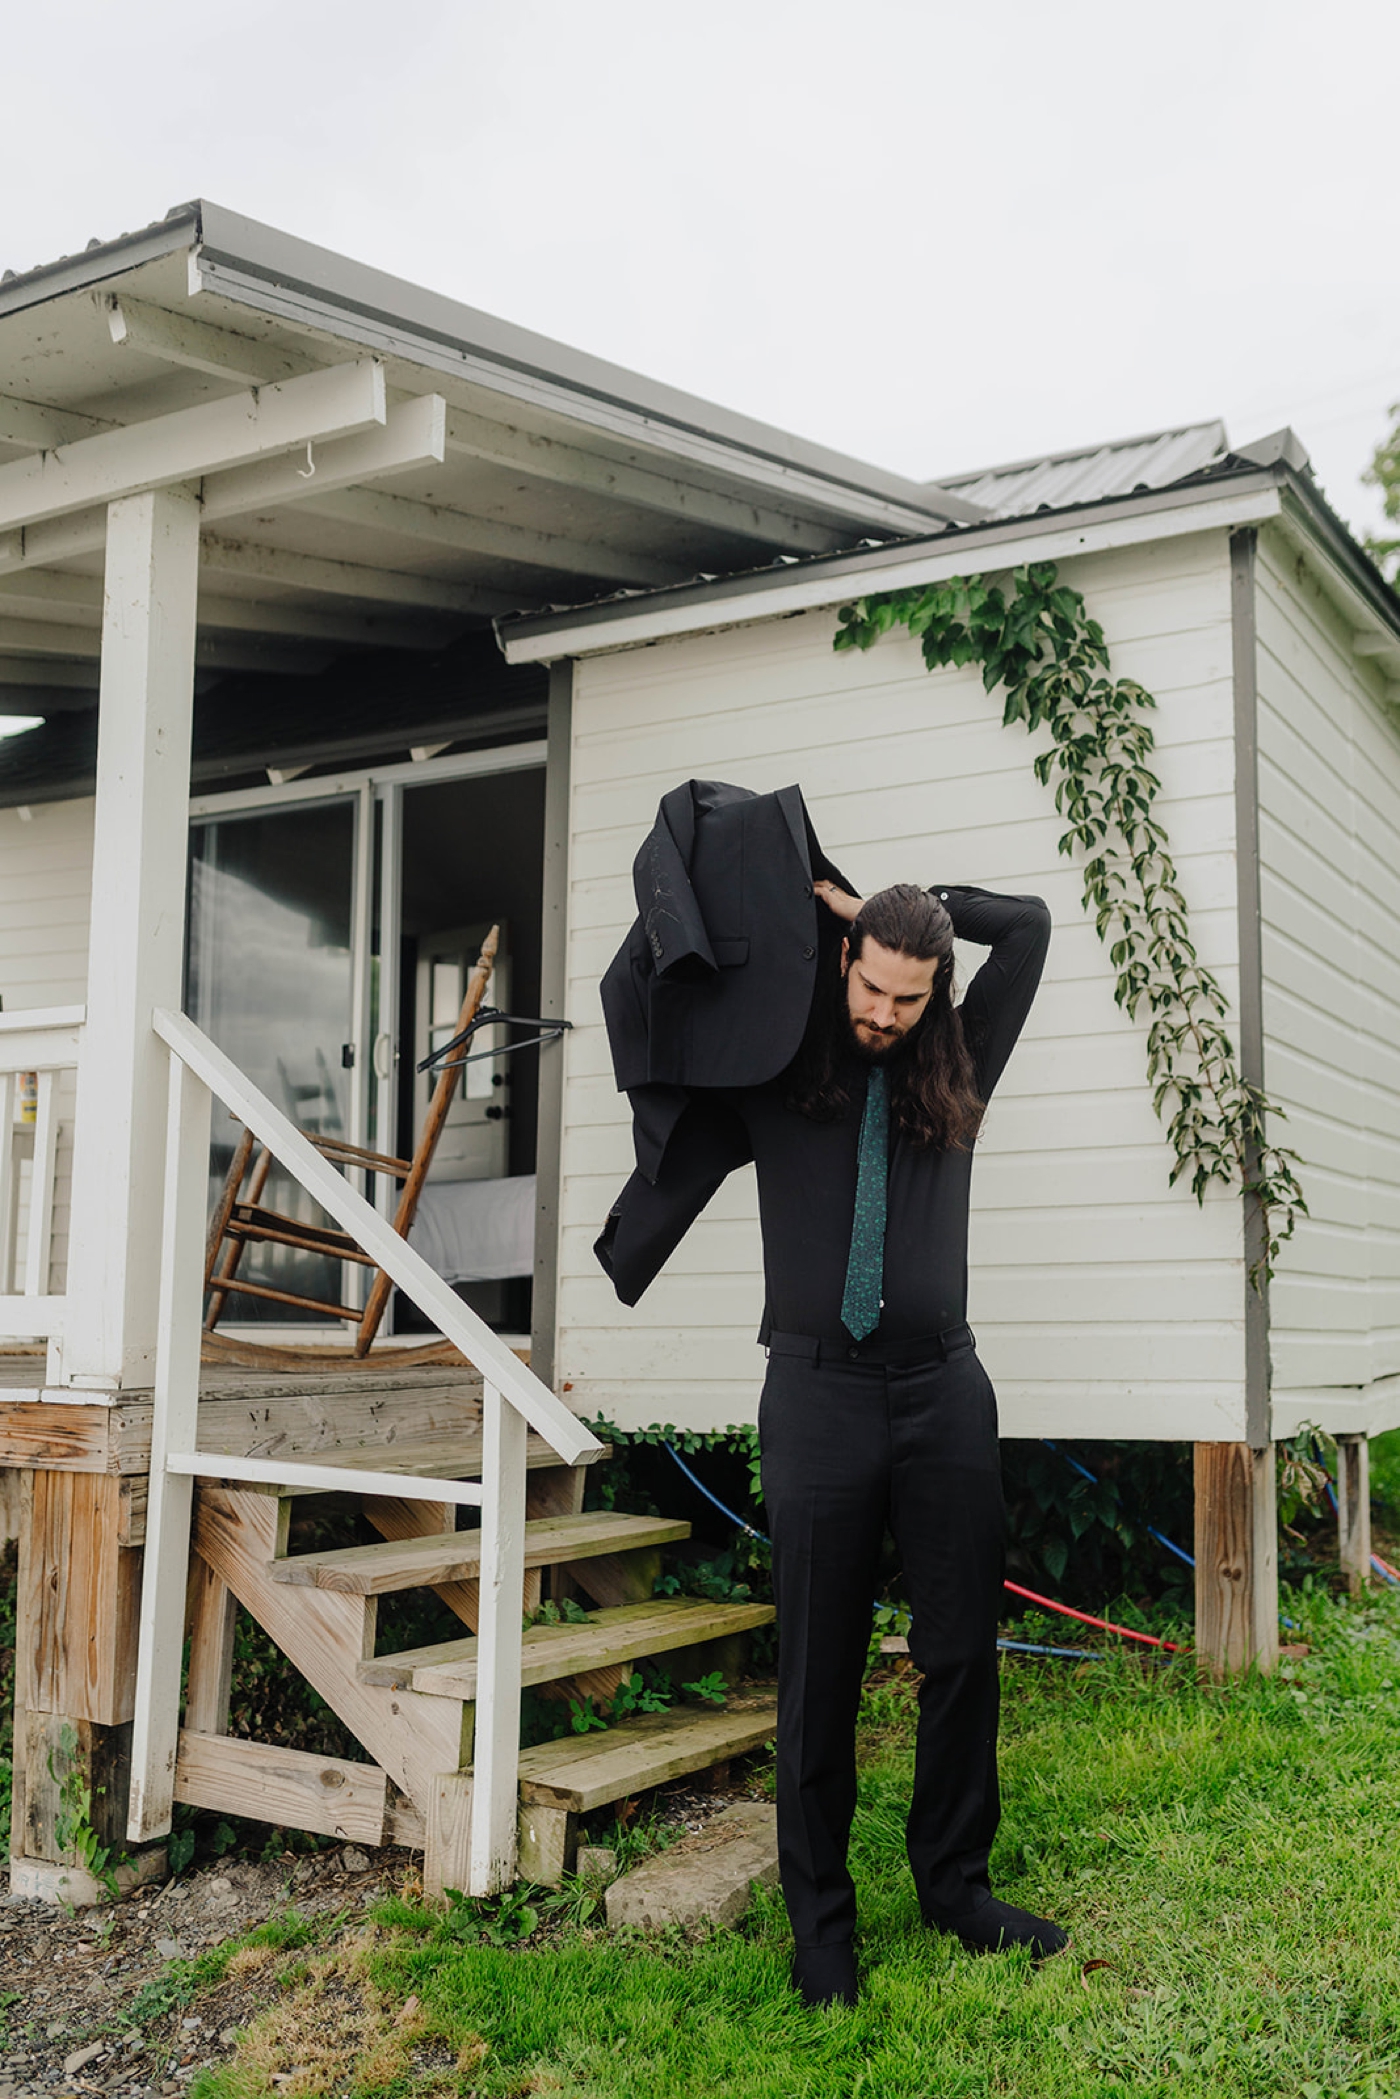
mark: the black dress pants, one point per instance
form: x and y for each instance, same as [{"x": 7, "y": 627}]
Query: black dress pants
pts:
[{"x": 850, "y": 1447}]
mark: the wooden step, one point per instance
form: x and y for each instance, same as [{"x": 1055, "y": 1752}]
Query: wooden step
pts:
[
  {"x": 554, "y": 1651},
  {"x": 454, "y": 1556},
  {"x": 447, "y": 1458},
  {"x": 588, "y": 1771}
]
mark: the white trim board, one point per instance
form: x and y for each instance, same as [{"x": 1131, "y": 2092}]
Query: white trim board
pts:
[
  {"x": 1340, "y": 1410},
  {"x": 654, "y": 620},
  {"x": 467, "y": 765}
]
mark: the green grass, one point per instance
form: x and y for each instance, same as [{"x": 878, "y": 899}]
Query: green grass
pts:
[{"x": 1229, "y": 1858}]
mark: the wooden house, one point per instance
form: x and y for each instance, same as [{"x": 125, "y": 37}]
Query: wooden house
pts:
[{"x": 259, "y": 511}]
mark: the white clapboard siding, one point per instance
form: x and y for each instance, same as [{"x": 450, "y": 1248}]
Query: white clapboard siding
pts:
[
  {"x": 45, "y": 903},
  {"x": 1329, "y": 791},
  {"x": 1106, "y": 1302}
]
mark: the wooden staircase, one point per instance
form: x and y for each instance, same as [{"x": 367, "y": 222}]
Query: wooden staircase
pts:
[{"x": 414, "y": 1711}]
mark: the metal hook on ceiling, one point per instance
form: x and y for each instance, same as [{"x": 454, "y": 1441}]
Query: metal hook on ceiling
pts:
[{"x": 305, "y": 473}]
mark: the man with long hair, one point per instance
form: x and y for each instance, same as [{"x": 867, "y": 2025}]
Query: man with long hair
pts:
[{"x": 876, "y": 1412}]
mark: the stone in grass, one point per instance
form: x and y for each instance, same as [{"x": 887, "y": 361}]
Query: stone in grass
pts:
[
  {"x": 596, "y": 1862},
  {"x": 705, "y": 1879},
  {"x": 353, "y": 1860}
]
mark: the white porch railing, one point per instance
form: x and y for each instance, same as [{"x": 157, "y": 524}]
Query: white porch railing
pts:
[
  {"x": 42, "y": 1040},
  {"x": 512, "y": 1400}
]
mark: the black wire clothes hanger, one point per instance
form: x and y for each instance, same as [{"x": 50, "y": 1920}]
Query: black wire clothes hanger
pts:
[{"x": 488, "y": 1017}]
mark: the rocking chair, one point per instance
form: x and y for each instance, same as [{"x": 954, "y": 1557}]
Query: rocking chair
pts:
[{"x": 237, "y": 1223}]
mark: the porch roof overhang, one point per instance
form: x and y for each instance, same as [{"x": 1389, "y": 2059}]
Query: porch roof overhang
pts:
[
  {"x": 500, "y": 472},
  {"x": 1238, "y": 492}
]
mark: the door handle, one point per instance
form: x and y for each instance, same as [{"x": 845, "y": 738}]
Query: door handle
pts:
[{"x": 385, "y": 1055}]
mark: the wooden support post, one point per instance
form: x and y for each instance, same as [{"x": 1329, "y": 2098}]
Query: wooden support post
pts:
[
  {"x": 211, "y": 1613},
  {"x": 447, "y": 1835},
  {"x": 548, "y": 1843},
  {"x": 1236, "y": 1557},
  {"x": 495, "y": 1761},
  {"x": 75, "y": 1676},
  {"x": 136, "y": 942},
  {"x": 1354, "y": 1510}
]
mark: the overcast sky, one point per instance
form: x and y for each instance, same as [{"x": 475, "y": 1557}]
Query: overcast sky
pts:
[{"x": 934, "y": 236}]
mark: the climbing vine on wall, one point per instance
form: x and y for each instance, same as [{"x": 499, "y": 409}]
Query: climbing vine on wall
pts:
[{"x": 1037, "y": 641}]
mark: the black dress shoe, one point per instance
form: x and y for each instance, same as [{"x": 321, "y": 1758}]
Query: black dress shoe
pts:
[
  {"x": 825, "y": 1974},
  {"x": 995, "y": 1927}
]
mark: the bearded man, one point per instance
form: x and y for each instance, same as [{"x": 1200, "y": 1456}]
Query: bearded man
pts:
[{"x": 876, "y": 1412}]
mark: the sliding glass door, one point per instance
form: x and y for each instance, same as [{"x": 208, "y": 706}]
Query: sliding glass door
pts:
[{"x": 271, "y": 977}]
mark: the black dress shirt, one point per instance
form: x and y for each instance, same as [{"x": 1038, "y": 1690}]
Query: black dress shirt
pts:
[{"x": 807, "y": 1169}]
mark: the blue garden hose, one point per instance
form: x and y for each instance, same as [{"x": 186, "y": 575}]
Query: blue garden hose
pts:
[{"x": 1074, "y": 1654}]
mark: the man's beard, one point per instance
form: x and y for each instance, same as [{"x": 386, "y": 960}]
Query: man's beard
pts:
[{"x": 874, "y": 1049}]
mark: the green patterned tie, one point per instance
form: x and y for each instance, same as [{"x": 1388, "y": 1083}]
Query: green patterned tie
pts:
[{"x": 865, "y": 1269}]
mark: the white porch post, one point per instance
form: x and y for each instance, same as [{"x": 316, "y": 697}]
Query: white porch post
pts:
[{"x": 137, "y": 938}]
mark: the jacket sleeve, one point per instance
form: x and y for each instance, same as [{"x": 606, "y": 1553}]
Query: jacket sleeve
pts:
[
  {"x": 650, "y": 1218},
  {"x": 671, "y": 921},
  {"x": 1017, "y": 930}
]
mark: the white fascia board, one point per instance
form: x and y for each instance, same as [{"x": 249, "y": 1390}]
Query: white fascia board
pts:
[
  {"x": 865, "y": 503},
  {"x": 467, "y": 765},
  {"x": 977, "y": 552},
  {"x": 192, "y": 442}
]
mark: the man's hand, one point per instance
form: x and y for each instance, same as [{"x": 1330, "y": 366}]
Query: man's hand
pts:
[{"x": 839, "y": 901}]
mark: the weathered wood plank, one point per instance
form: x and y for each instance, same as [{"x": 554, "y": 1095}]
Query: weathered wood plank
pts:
[
  {"x": 614, "y": 1579},
  {"x": 76, "y": 1600},
  {"x": 325, "y": 1636},
  {"x": 447, "y": 1835},
  {"x": 1236, "y": 1557},
  {"x": 416, "y": 1430},
  {"x": 328, "y": 1794},
  {"x": 395, "y": 1519},
  {"x": 62, "y": 1438},
  {"x": 211, "y": 1613},
  {"x": 554, "y": 1651},
  {"x": 642, "y": 1752},
  {"x": 409, "y": 1563},
  {"x": 51, "y": 1747},
  {"x": 449, "y": 1457}
]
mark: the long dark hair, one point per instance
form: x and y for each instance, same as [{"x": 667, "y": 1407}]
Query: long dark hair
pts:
[{"x": 933, "y": 1092}]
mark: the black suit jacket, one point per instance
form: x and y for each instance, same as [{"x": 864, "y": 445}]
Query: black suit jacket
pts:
[{"x": 713, "y": 984}]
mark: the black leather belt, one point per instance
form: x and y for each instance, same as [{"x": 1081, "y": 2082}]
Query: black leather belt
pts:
[{"x": 922, "y": 1348}]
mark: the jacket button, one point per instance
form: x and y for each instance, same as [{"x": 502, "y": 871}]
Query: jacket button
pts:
[
  {"x": 854, "y": 1354},
  {"x": 807, "y": 953},
  {"x": 808, "y": 890}
]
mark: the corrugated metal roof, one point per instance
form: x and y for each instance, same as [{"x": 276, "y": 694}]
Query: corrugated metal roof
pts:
[{"x": 1092, "y": 473}]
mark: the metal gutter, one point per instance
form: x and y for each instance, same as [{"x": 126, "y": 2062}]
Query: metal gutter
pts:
[
  {"x": 1305, "y": 503},
  {"x": 99, "y": 261},
  {"x": 310, "y": 286},
  {"x": 1236, "y": 497},
  {"x": 313, "y": 287}
]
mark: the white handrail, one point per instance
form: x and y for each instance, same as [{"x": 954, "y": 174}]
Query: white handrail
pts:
[
  {"x": 41, "y": 1017},
  {"x": 459, "y": 1324}
]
